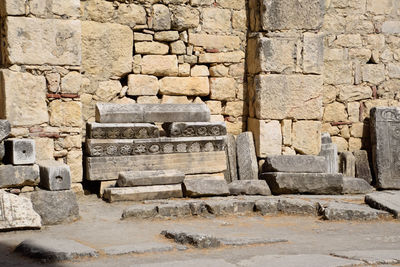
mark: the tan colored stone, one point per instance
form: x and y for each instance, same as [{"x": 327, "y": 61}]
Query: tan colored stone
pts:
[
  {"x": 219, "y": 71},
  {"x": 74, "y": 161},
  {"x": 235, "y": 109},
  {"x": 151, "y": 48},
  {"x": 393, "y": 71},
  {"x": 209, "y": 41},
  {"x": 160, "y": 65},
  {"x": 307, "y": 137},
  {"x": 286, "y": 126},
  {"x": 198, "y": 86},
  {"x": 130, "y": 15},
  {"x": 234, "y": 4},
  {"x": 12, "y": 7},
  {"x": 214, "y": 106},
  {"x": 199, "y": 71},
  {"x": 142, "y": 37},
  {"x": 137, "y": 64},
  {"x": 223, "y": 88},
  {"x": 53, "y": 82},
  {"x": 161, "y": 18},
  {"x": 184, "y": 17},
  {"x": 65, "y": 113},
  {"x": 217, "y": 118},
  {"x": 239, "y": 20},
  {"x": 373, "y": 73},
  {"x": 348, "y": 40},
  {"x": 329, "y": 93},
  {"x": 123, "y": 100},
  {"x": 288, "y": 151},
  {"x": 355, "y": 144},
  {"x": 44, "y": 148},
  {"x": 357, "y": 130},
  {"x": 267, "y": 137},
  {"x": 229, "y": 57},
  {"x": 216, "y": 20},
  {"x": 354, "y": 93},
  {"x": 98, "y": 10},
  {"x": 380, "y": 7},
  {"x": 345, "y": 131},
  {"x": 313, "y": 53},
  {"x": 235, "y": 128},
  {"x": 335, "y": 54},
  {"x": 23, "y": 98},
  {"x": 71, "y": 83},
  {"x": 338, "y": 72},
  {"x": 108, "y": 90},
  {"x": 166, "y": 36},
  {"x": 370, "y": 104},
  {"x": 142, "y": 85},
  {"x": 148, "y": 100},
  {"x": 70, "y": 8},
  {"x": 328, "y": 128},
  {"x": 72, "y": 141},
  {"x": 178, "y": 47},
  {"x": 335, "y": 112},
  {"x": 168, "y": 99},
  {"x": 363, "y": 55},
  {"x": 342, "y": 144},
  {"x": 353, "y": 109},
  {"x": 237, "y": 70},
  {"x": 184, "y": 70}
]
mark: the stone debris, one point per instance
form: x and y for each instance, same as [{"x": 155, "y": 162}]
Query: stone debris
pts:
[
  {"x": 51, "y": 249},
  {"x": 5, "y": 129},
  {"x": 356, "y": 186},
  {"x": 188, "y": 129},
  {"x": 231, "y": 157},
  {"x": 363, "y": 170},
  {"x": 350, "y": 211},
  {"x": 246, "y": 157},
  {"x": 20, "y": 151},
  {"x": 16, "y": 212},
  {"x": 371, "y": 256},
  {"x": 143, "y": 178},
  {"x": 330, "y": 152},
  {"x": 347, "y": 164},
  {"x": 295, "y": 163},
  {"x": 386, "y": 200},
  {"x": 249, "y": 187},
  {"x": 96, "y": 130},
  {"x": 208, "y": 185},
  {"x": 142, "y": 193},
  {"x": 138, "y": 248},
  {"x": 18, "y": 176},
  {"x": 54, "y": 175}
]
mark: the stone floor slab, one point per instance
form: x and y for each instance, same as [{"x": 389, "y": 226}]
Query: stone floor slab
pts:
[
  {"x": 371, "y": 256},
  {"x": 349, "y": 211},
  {"x": 138, "y": 248},
  {"x": 387, "y": 200}
]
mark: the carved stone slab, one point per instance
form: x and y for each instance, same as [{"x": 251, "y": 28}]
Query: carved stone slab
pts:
[
  {"x": 187, "y": 129},
  {"x": 108, "y": 168},
  {"x": 163, "y": 145},
  {"x": 96, "y": 130},
  {"x": 125, "y": 113},
  {"x": 385, "y": 141}
]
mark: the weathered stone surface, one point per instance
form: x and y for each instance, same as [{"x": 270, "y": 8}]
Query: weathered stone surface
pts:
[
  {"x": 296, "y": 206},
  {"x": 23, "y": 105},
  {"x": 162, "y": 17},
  {"x": 267, "y": 206},
  {"x": 2, "y": 151},
  {"x": 10, "y": 7},
  {"x": 205, "y": 186},
  {"x": 16, "y": 212},
  {"x": 384, "y": 140},
  {"x": 96, "y": 130},
  {"x": 363, "y": 170},
  {"x": 373, "y": 257},
  {"x": 20, "y": 151},
  {"x": 391, "y": 27},
  {"x": 142, "y": 178},
  {"x": 74, "y": 161},
  {"x": 138, "y": 248},
  {"x": 18, "y": 176},
  {"x": 329, "y": 151},
  {"x": 54, "y": 175},
  {"x": 307, "y": 137},
  {"x": 71, "y": 83},
  {"x": 195, "y": 239},
  {"x": 55, "y": 207},
  {"x": 5, "y": 129},
  {"x": 223, "y": 88},
  {"x": 142, "y": 85},
  {"x": 208, "y": 41},
  {"x": 228, "y": 57},
  {"x": 166, "y": 36},
  {"x": 199, "y": 71},
  {"x": 140, "y": 211},
  {"x": 298, "y": 163},
  {"x": 151, "y": 48},
  {"x": 311, "y": 183},
  {"x": 350, "y": 211},
  {"x": 231, "y": 157},
  {"x": 354, "y": 93},
  {"x": 249, "y": 241},
  {"x": 347, "y": 164},
  {"x": 50, "y": 250},
  {"x": 356, "y": 186},
  {"x": 162, "y": 145},
  {"x": 246, "y": 156},
  {"x": 142, "y": 193},
  {"x": 107, "y": 168},
  {"x": 166, "y": 65},
  {"x": 174, "y": 209},
  {"x": 43, "y": 41},
  {"x": 267, "y": 137},
  {"x": 249, "y": 187},
  {"x": 313, "y": 53},
  {"x": 181, "y": 129},
  {"x": 288, "y": 96},
  {"x": 102, "y": 55},
  {"x": 184, "y": 17},
  {"x": 196, "y": 86},
  {"x": 216, "y": 20},
  {"x": 65, "y": 113},
  {"x": 126, "y": 113},
  {"x": 387, "y": 200}
]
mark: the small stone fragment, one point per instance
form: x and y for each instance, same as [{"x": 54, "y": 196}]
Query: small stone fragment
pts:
[{"x": 5, "y": 129}]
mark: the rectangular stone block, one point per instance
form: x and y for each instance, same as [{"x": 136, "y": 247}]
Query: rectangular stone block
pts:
[
  {"x": 163, "y": 145},
  {"x": 142, "y": 193},
  {"x": 18, "y": 176},
  {"x": 96, "y": 130},
  {"x": 363, "y": 170},
  {"x": 43, "y": 41},
  {"x": 267, "y": 137},
  {"x": 208, "y": 41},
  {"x": 347, "y": 164},
  {"x": 246, "y": 157},
  {"x": 187, "y": 129},
  {"x": 108, "y": 168},
  {"x": 5, "y": 129},
  {"x": 313, "y": 53},
  {"x": 304, "y": 183},
  {"x": 385, "y": 141},
  {"x": 330, "y": 152},
  {"x": 142, "y": 178},
  {"x": 20, "y": 151},
  {"x": 126, "y": 113},
  {"x": 54, "y": 175},
  {"x": 295, "y": 163},
  {"x": 228, "y": 57},
  {"x": 232, "y": 158},
  {"x": 12, "y": 8},
  {"x": 187, "y": 86},
  {"x": 288, "y": 96},
  {"x": 207, "y": 185}
]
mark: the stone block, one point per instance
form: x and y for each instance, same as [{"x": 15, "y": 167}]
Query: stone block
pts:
[
  {"x": 304, "y": 183},
  {"x": 191, "y": 86},
  {"x": 356, "y": 186},
  {"x": 363, "y": 170},
  {"x": 55, "y": 207},
  {"x": 23, "y": 105},
  {"x": 313, "y": 53},
  {"x": 267, "y": 206},
  {"x": 246, "y": 157},
  {"x": 12, "y": 8},
  {"x": 5, "y": 129},
  {"x": 151, "y": 48},
  {"x": 347, "y": 164},
  {"x": 211, "y": 41},
  {"x": 228, "y": 57},
  {"x": 391, "y": 27},
  {"x": 297, "y": 163},
  {"x": 108, "y": 90},
  {"x": 71, "y": 83},
  {"x": 296, "y": 207},
  {"x": 387, "y": 200},
  {"x": 231, "y": 157},
  {"x": 162, "y": 145},
  {"x": 199, "y": 71},
  {"x": 354, "y": 93},
  {"x": 184, "y": 17},
  {"x": 288, "y": 96},
  {"x": 54, "y": 175},
  {"x": 65, "y": 113},
  {"x": 267, "y": 137},
  {"x": 223, "y": 88},
  {"x": 140, "y": 211},
  {"x": 74, "y": 161},
  {"x": 18, "y": 176},
  {"x": 142, "y": 193},
  {"x": 161, "y": 17},
  {"x": 108, "y": 168},
  {"x": 142, "y": 85},
  {"x": 96, "y": 130},
  {"x": 216, "y": 20},
  {"x": 350, "y": 211},
  {"x": 20, "y": 151},
  {"x": 307, "y": 137},
  {"x": 143, "y": 178},
  {"x": 166, "y": 36},
  {"x": 160, "y": 65},
  {"x": 2, "y": 151},
  {"x": 17, "y": 213},
  {"x": 373, "y": 73},
  {"x": 43, "y": 41},
  {"x": 335, "y": 112},
  {"x": 249, "y": 187},
  {"x": 174, "y": 209},
  {"x": 338, "y": 72},
  {"x": 329, "y": 152},
  {"x": 187, "y": 129},
  {"x": 205, "y": 186},
  {"x": 385, "y": 125}
]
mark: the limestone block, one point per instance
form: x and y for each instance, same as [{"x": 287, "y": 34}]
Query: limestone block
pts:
[
  {"x": 5, "y": 129},
  {"x": 147, "y": 100},
  {"x": 131, "y": 15},
  {"x": 381, "y": 7},
  {"x": 295, "y": 164},
  {"x": 235, "y": 109},
  {"x": 108, "y": 90},
  {"x": 43, "y": 41},
  {"x": 347, "y": 164},
  {"x": 107, "y": 168},
  {"x": 143, "y": 37},
  {"x": 232, "y": 157},
  {"x": 160, "y": 65},
  {"x": 70, "y": 8},
  {"x": 246, "y": 157},
  {"x": 184, "y": 18},
  {"x": 228, "y": 57},
  {"x": 106, "y": 49},
  {"x": 234, "y": 4},
  {"x": 387, "y": 200},
  {"x": 363, "y": 170},
  {"x": 44, "y": 148},
  {"x": 249, "y": 187},
  {"x": 185, "y": 129},
  {"x": 12, "y": 8},
  {"x": 184, "y": 70},
  {"x": 142, "y": 85},
  {"x": 216, "y": 20},
  {"x": 178, "y": 47},
  {"x": 54, "y": 175},
  {"x": 313, "y": 53},
  {"x": 214, "y": 106},
  {"x": 350, "y": 211},
  {"x": 74, "y": 161},
  {"x": 96, "y": 130},
  {"x": 23, "y": 105},
  {"x": 329, "y": 152},
  {"x": 18, "y": 176},
  {"x": 20, "y": 151},
  {"x": 356, "y": 186},
  {"x": 335, "y": 112},
  {"x": 213, "y": 41},
  {"x": 167, "y": 99},
  {"x": 223, "y": 88},
  {"x": 394, "y": 71},
  {"x": 161, "y": 18},
  {"x": 338, "y": 72},
  {"x": 354, "y": 93},
  {"x": 267, "y": 137},
  {"x": 288, "y": 96},
  {"x": 373, "y": 73},
  {"x": 197, "y": 86},
  {"x": 199, "y": 71},
  {"x": 239, "y": 20},
  {"x": 391, "y": 27},
  {"x": 349, "y": 40},
  {"x": 208, "y": 185},
  {"x": 342, "y": 144},
  {"x": 143, "y": 178},
  {"x": 71, "y": 83},
  {"x": 307, "y": 137},
  {"x": 151, "y": 48},
  {"x": 65, "y": 113},
  {"x": 142, "y": 193},
  {"x": 219, "y": 71},
  {"x": 166, "y": 36},
  {"x": 286, "y": 127}
]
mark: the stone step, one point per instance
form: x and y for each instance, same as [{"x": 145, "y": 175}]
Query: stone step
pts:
[
  {"x": 387, "y": 200},
  {"x": 125, "y": 113},
  {"x": 205, "y": 185},
  {"x": 350, "y": 211},
  {"x": 295, "y": 163},
  {"x": 249, "y": 187},
  {"x": 18, "y": 176},
  {"x": 304, "y": 183},
  {"x": 162, "y": 145},
  {"x": 187, "y": 129},
  {"x": 356, "y": 186},
  {"x": 108, "y": 168},
  {"x": 142, "y": 178},
  {"x": 96, "y": 130},
  {"x": 142, "y": 193}
]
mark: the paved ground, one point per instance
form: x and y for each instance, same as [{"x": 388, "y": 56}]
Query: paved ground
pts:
[{"x": 310, "y": 241}]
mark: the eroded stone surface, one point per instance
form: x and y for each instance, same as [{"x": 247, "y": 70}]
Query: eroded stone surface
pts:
[
  {"x": 249, "y": 187},
  {"x": 18, "y": 176},
  {"x": 349, "y": 211},
  {"x": 182, "y": 129},
  {"x": 246, "y": 156},
  {"x": 295, "y": 163},
  {"x": 356, "y": 186},
  {"x": 96, "y": 130},
  {"x": 141, "y": 178},
  {"x": 387, "y": 200},
  {"x": 20, "y": 151},
  {"x": 54, "y": 175},
  {"x": 209, "y": 185},
  {"x": 142, "y": 193},
  {"x": 5, "y": 129}
]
